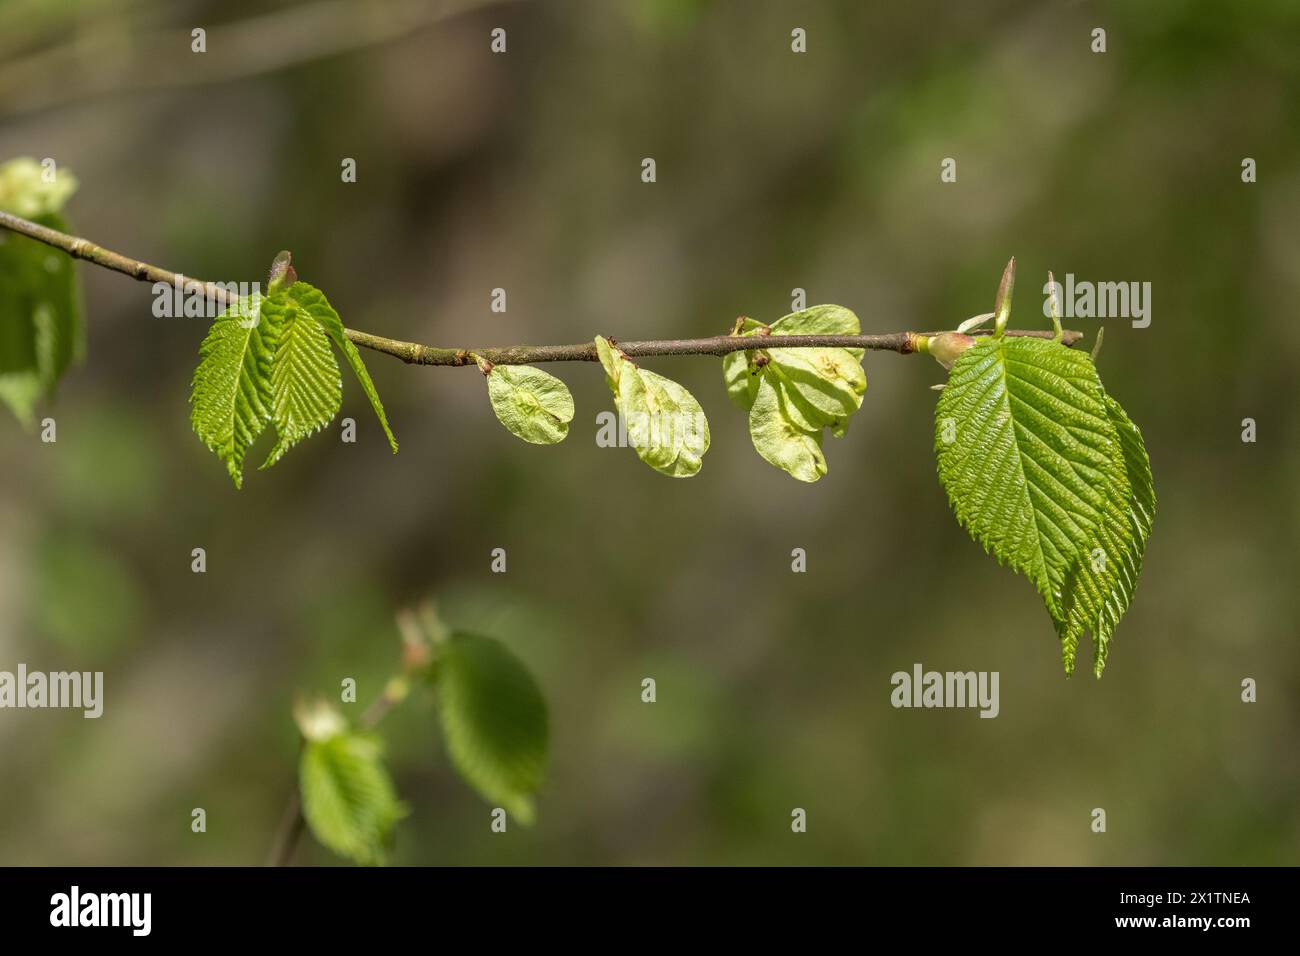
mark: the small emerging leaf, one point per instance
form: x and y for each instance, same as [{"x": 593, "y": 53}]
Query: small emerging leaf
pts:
[
  {"x": 494, "y": 721},
  {"x": 268, "y": 361},
  {"x": 282, "y": 274},
  {"x": 779, "y": 439},
  {"x": 974, "y": 322},
  {"x": 741, "y": 378},
  {"x": 231, "y": 392},
  {"x": 306, "y": 389},
  {"x": 828, "y": 382},
  {"x": 1002, "y": 303},
  {"x": 348, "y": 799},
  {"x": 611, "y": 361},
  {"x": 811, "y": 389},
  {"x": 738, "y": 372},
  {"x": 532, "y": 404},
  {"x": 313, "y": 301},
  {"x": 665, "y": 423}
]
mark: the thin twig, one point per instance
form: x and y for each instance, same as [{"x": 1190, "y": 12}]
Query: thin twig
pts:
[
  {"x": 415, "y": 354},
  {"x": 289, "y": 831}
]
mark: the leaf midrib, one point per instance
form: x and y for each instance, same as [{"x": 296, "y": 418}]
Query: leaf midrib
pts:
[{"x": 1051, "y": 595}]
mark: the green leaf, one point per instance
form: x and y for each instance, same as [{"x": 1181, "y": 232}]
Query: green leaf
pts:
[
  {"x": 268, "y": 360},
  {"x": 532, "y": 404},
  {"x": 665, "y": 424},
  {"x": 41, "y": 327},
  {"x": 779, "y": 436},
  {"x": 828, "y": 383},
  {"x": 348, "y": 799},
  {"x": 1099, "y": 586},
  {"x": 1030, "y": 452},
  {"x": 232, "y": 392},
  {"x": 815, "y": 388},
  {"x": 1142, "y": 509},
  {"x": 494, "y": 720},
  {"x": 306, "y": 389},
  {"x": 739, "y": 372},
  {"x": 313, "y": 301},
  {"x": 612, "y": 361},
  {"x": 741, "y": 378}
]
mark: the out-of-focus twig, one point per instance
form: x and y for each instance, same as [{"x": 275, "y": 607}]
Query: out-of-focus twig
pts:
[{"x": 113, "y": 62}]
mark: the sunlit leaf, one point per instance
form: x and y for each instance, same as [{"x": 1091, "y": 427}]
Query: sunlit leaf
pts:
[
  {"x": 532, "y": 404},
  {"x": 811, "y": 388},
  {"x": 665, "y": 423},
  {"x": 1045, "y": 470}
]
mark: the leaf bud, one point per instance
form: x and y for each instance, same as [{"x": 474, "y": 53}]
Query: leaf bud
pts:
[{"x": 946, "y": 346}]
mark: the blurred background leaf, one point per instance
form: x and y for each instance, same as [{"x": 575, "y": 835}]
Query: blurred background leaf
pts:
[
  {"x": 347, "y": 797},
  {"x": 493, "y": 721}
]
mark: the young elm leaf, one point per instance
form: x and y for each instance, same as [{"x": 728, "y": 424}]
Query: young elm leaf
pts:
[
  {"x": 780, "y": 439},
  {"x": 231, "y": 392},
  {"x": 348, "y": 798},
  {"x": 306, "y": 388},
  {"x": 738, "y": 368},
  {"x": 741, "y": 377},
  {"x": 532, "y": 404},
  {"x": 811, "y": 388},
  {"x": 1044, "y": 470},
  {"x": 665, "y": 424},
  {"x": 494, "y": 720},
  {"x": 313, "y": 301}
]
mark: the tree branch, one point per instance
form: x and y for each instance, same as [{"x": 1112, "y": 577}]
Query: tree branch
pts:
[
  {"x": 415, "y": 354},
  {"x": 289, "y": 831}
]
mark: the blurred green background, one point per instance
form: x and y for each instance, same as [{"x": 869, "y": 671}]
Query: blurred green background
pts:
[{"x": 775, "y": 171}]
